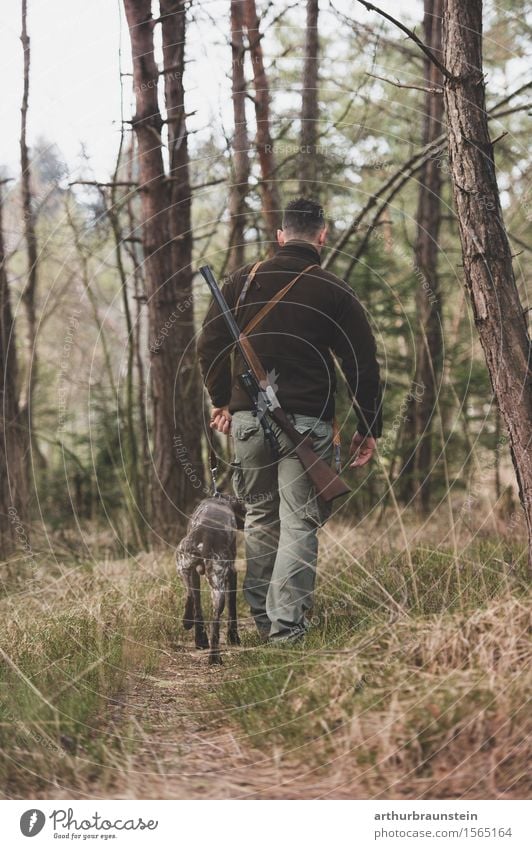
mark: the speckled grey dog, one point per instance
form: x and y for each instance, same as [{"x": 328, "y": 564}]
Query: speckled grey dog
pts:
[{"x": 209, "y": 549}]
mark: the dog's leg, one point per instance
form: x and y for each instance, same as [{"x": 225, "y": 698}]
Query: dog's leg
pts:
[
  {"x": 201, "y": 639},
  {"x": 185, "y": 567},
  {"x": 188, "y": 615},
  {"x": 232, "y": 626},
  {"x": 215, "y": 575}
]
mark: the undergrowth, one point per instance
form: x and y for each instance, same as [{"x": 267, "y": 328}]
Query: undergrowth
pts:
[
  {"x": 410, "y": 682},
  {"x": 69, "y": 644}
]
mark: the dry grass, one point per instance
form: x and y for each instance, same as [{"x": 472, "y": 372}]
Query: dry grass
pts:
[
  {"x": 71, "y": 638},
  {"x": 413, "y": 682},
  {"x": 401, "y": 694}
]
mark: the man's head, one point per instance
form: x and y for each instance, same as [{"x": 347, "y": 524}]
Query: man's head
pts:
[{"x": 303, "y": 220}]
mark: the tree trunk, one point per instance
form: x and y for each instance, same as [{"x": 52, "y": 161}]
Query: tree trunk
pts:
[
  {"x": 189, "y": 389},
  {"x": 169, "y": 295},
  {"x": 489, "y": 277},
  {"x": 269, "y": 191},
  {"x": 416, "y": 473},
  {"x": 13, "y": 482},
  {"x": 241, "y": 168},
  {"x": 308, "y": 162},
  {"x": 30, "y": 235},
  {"x": 140, "y": 299},
  {"x": 129, "y": 444}
]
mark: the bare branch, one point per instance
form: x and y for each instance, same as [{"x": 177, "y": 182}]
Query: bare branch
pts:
[
  {"x": 371, "y": 8},
  {"x": 520, "y": 242},
  {"x": 522, "y": 108},
  {"x": 209, "y": 183},
  {"x": 513, "y": 94},
  {"x": 358, "y": 26},
  {"x": 435, "y": 149},
  {"x": 502, "y": 135},
  {"x": 404, "y": 85},
  {"x": 409, "y": 168},
  {"x": 99, "y": 185}
]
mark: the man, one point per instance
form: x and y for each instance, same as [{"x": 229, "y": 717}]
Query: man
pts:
[{"x": 319, "y": 315}]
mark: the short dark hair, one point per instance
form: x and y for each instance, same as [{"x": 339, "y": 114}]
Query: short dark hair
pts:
[{"x": 304, "y": 216}]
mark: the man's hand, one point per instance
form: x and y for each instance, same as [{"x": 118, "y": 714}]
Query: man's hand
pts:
[
  {"x": 221, "y": 419},
  {"x": 362, "y": 448}
]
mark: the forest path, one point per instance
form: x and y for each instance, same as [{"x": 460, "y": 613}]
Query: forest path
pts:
[{"x": 183, "y": 748}]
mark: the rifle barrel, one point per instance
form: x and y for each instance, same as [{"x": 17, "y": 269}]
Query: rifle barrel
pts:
[{"x": 210, "y": 280}]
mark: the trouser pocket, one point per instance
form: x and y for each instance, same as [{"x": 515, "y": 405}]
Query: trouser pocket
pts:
[
  {"x": 321, "y": 432},
  {"x": 254, "y": 473},
  {"x": 317, "y": 510},
  {"x": 238, "y": 480}
]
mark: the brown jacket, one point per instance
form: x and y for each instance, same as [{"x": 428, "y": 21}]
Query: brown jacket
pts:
[{"x": 294, "y": 342}]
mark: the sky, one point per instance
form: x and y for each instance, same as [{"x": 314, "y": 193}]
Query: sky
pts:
[{"x": 75, "y": 82}]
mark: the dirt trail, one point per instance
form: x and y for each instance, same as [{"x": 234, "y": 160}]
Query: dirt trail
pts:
[
  {"x": 186, "y": 748},
  {"x": 183, "y": 749}
]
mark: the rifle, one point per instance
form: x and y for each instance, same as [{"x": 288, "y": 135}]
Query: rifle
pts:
[{"x": 255, "y": 381}]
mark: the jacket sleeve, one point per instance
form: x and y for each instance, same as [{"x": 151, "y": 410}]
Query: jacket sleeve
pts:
[
  {"x": 214, "y": 348},
  {"x": 355, "y": 347}
]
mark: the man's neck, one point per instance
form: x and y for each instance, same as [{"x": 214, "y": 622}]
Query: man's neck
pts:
[{"x": 295, "y": 240}]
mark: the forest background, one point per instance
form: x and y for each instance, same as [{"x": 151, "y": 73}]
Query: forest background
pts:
[{"x": 119, "y": 178}]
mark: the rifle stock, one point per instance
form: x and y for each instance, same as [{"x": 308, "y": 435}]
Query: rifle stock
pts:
[{"x": 327, "y": 483}]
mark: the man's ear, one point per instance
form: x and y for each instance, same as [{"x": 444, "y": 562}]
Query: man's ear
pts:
[
  {"x": 322, "y": 238},
  {"x": 281, "y": 238}
]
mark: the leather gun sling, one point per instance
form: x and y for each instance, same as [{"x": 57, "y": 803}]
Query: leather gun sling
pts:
[
  {"x": 247, "y": 283},
  {"x": 263, "y": 312}
]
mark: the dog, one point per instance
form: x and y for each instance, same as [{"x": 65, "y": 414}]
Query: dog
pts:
[{"x": 209, "y": 549}]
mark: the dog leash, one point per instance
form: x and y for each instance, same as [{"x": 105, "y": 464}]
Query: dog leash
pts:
[
  {"x": 213, "y": 464},
  {"x": 337, "y": 444}
]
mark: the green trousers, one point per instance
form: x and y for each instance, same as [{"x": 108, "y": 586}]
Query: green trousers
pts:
[{"x": 283, "y": 515}]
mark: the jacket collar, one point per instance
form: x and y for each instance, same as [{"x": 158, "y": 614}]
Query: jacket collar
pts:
[{"x": 301, "y": 250}]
